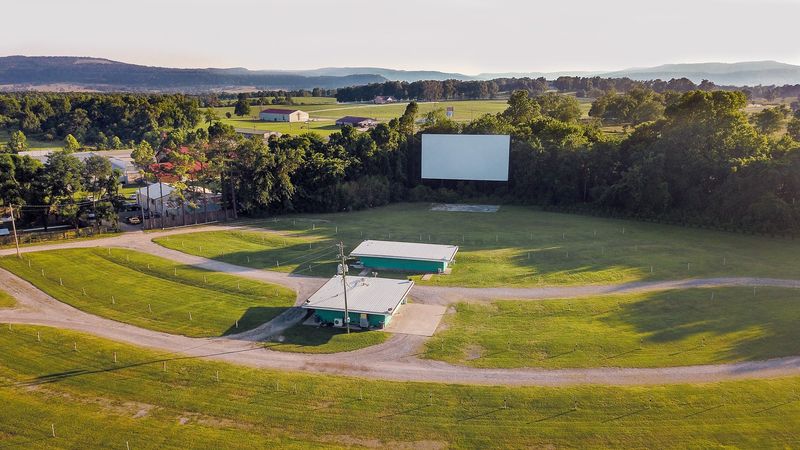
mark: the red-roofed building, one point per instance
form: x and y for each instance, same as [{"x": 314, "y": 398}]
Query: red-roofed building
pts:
[{"x": 283, "y": 115}]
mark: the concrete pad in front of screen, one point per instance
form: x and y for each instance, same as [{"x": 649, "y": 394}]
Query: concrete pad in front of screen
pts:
[{"x": 416, "y": 319}]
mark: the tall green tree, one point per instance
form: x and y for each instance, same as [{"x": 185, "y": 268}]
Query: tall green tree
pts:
[
  {"x": 793, "y": 128},
  {"x": 408, "y": 120},
  {"x": 521, "y": 108},
  {"x": 560, "y": 107},
  {"x": 771, "y": 120},
  {"x": 62, "y": 182},
  {"x": 71, "y": 144},
  {"x": 143, "y": 156},
  {"x": 242, "y": 106},
  {"x": 17, "y": 142}
]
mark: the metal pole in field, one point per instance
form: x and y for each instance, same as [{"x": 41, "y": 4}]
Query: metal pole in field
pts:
[
  {"x": 344, "y": 286},
  {"x": 14, "y": 228}
]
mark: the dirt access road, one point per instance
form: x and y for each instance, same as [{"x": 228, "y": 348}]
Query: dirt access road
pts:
[{"x": 393, "y": 360}]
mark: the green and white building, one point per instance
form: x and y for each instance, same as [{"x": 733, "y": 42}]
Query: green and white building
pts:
[
  {"x": 405, "y": 256},
  {"x": 371, "y": 301}
]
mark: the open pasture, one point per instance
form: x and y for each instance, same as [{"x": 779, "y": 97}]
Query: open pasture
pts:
[
  {"x": 93, "y": 401},
  {"x": 516, "y": 246},
  {"x": 324, "y": 115},
  {"x": 151, "y": 292},
  {"x": 663, "y": 329}
]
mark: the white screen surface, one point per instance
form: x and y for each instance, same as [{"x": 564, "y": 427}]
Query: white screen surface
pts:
[{"x": 465, "y": 156}]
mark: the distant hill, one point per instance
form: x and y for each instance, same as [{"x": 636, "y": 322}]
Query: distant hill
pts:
[
  {"x": 77, "y": 73},
  {"x": 547, "y": 75},
  {"x": 738, "y": 74},
  {"x": 389, "y": 74},
  {"x": 61, "y": 73}
]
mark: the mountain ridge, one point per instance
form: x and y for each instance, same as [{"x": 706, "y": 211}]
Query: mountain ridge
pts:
[{"x": 20, "y": 72}]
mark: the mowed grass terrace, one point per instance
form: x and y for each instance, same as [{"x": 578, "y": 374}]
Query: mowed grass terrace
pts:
[
  {"x": 6, "y": 300},
  {"x": 516, "y": 246},
  {"x": 310, "y": 339},
  {"x": 152, "y": 400},
  {"x": 663, "y": 329},
  {"x": 151, "y": 292}
]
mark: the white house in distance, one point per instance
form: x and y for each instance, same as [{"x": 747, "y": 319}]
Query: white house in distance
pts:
[
  {"x": 283, "y": 115},
  {"x": 382, "y": 100},
  {"x": 150, "y": 198},
  {"x": 357, "y": 122},
  {"x": 120, "y": 160}
]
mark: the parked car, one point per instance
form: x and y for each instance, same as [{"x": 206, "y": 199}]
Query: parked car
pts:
[{"x": 134, "y": 220}]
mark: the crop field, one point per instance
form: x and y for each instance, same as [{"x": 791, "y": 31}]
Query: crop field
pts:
[
  {"x": 665, "y": 329},
  {"x": 309, "y": 339},
  {"x": 151, "y": 292},
  {"x": 152, "y": 400},
  {"x": 6, "y": 300},
  {"x": 517, "y": 246}
]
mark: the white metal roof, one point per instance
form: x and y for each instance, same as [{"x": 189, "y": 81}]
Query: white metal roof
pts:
[
  {"x": 405, "y": 250},
  {"x": 153, "y": 191},
  {"x": 364, "y": 295}
]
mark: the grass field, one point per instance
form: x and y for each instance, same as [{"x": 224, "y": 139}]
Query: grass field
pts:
[
  {"x": 516, "y": 246},
  {"x": 665, "y": 329},
  {"x": 32, "y": 240},
  {"x": 324, "y": 115},
  {"x": 91, "y": 401},
  {"x": 151, "y": 292},
  {"x": 33, "y": 143},
  {"x": 308, "y": 339},
  {"x": 6, "y": 300}
]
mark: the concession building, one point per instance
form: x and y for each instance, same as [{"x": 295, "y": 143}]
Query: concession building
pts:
[
  {"x": 371, "y": 301},
  {"x": 405, "y": 256}
]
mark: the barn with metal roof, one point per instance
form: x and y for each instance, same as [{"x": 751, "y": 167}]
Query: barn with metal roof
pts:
[
  {"x": 371, "y": 301},
  {"x": 405, "y": 256}
]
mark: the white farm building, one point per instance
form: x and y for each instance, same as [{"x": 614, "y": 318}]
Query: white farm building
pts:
[{"x": 283, "y": 115}]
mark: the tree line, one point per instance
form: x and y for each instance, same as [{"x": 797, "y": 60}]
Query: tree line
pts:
[
  {"x": 432, "y": 90},
  {"x": 101, "y": 120},
  {"x": 64, "y": 189},
  {"x": 692, "y": 158}
]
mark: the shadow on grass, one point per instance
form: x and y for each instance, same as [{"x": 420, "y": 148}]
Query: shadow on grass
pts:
[
  {"x": 562, "y": 413},
  {"x": 309, "y": 336},
  {"x": 622, "y": 416},
  {"x": 57, "y": 377},
  {"x": 768, "y": 320},
  {"x": 254, "y": 317}
]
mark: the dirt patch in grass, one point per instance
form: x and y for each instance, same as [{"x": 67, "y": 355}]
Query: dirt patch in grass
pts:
[
  {"x": 474, "y": 351},
  {"x": 375, "y": 443}
]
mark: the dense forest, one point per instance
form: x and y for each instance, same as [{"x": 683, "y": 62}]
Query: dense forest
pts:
[
  {"x": 588, "y": 87},
  {"x": 692, "y": 158},
  {"x": 102, "y": 120}
]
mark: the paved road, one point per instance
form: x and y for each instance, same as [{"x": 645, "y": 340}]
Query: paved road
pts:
[{"x": 397, "y": 358}]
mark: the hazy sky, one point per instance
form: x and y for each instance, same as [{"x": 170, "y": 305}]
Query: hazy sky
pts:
[{"x": 469, "y": 36}]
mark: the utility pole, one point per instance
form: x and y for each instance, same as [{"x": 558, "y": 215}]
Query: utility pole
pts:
[
  {"x": 344, "y": 285},
  {"x": 14, "y": 228}
]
